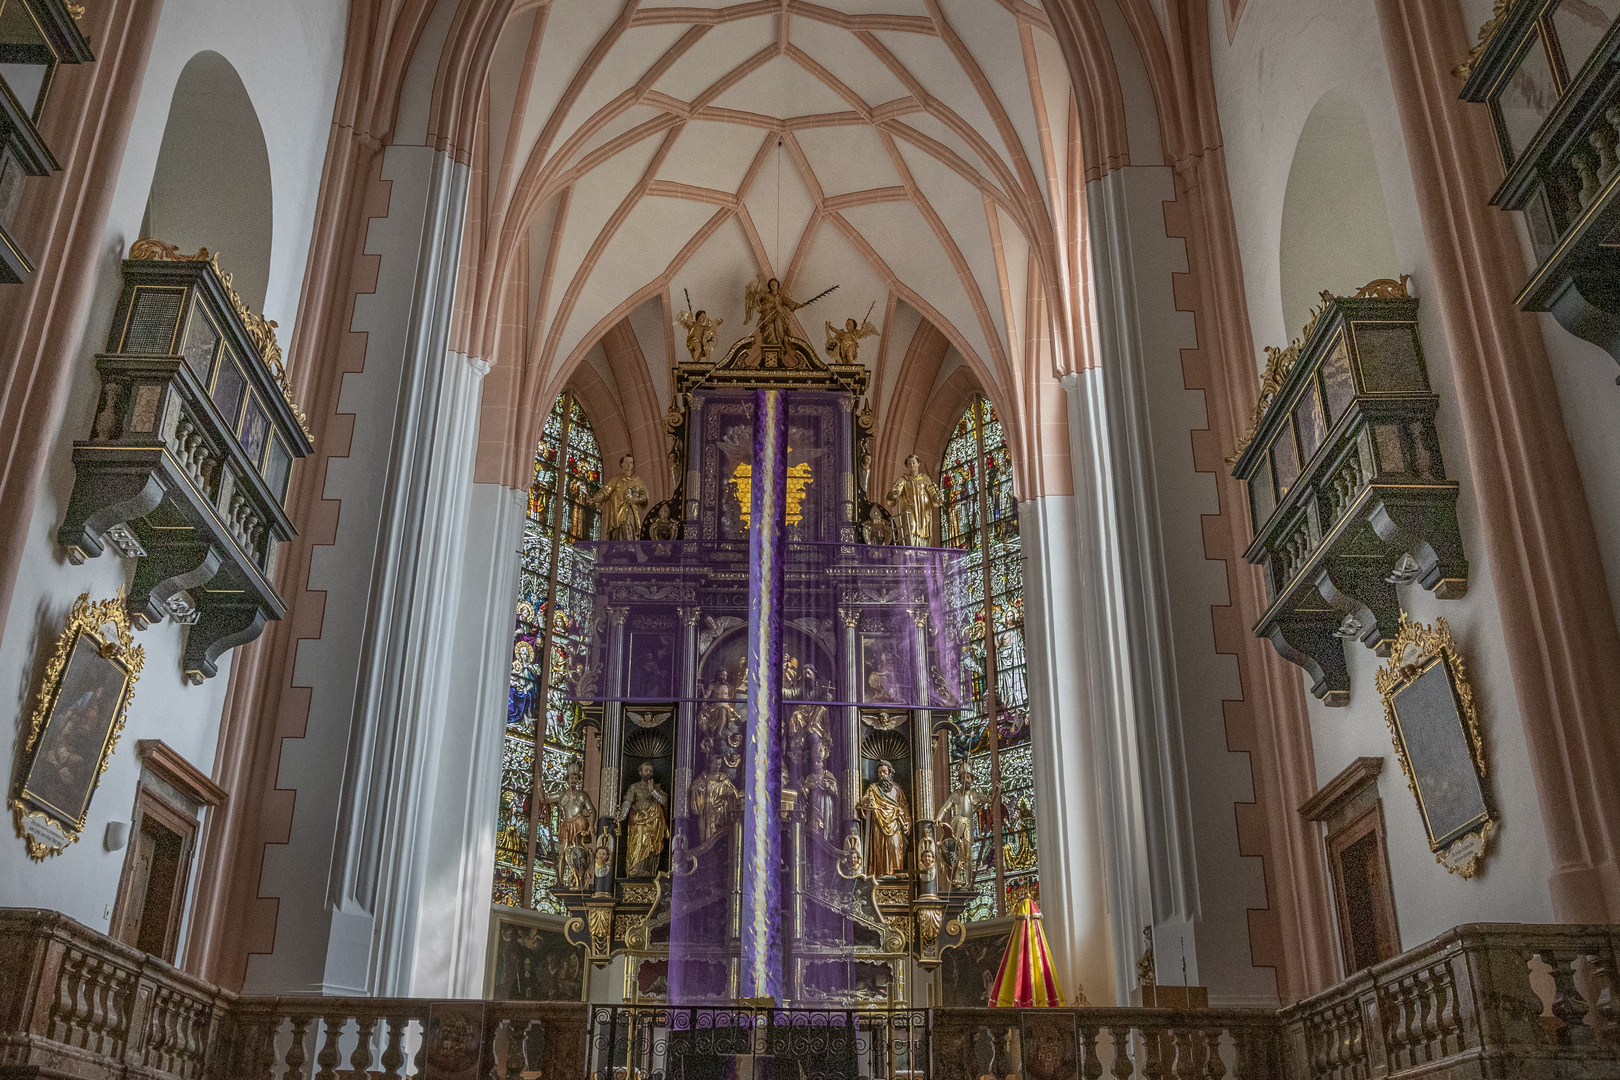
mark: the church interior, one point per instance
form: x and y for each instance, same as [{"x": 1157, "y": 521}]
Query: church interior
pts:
[{"x": 800, "y": 539}]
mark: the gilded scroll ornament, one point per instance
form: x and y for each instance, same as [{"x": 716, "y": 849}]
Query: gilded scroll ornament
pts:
[
  {"x": 1280, "y": 362},
  {"x": 77, "y": 720},
  {"x": 261, "y": 330},
  {"x": 1429, "y": 707},
  {"x": 1486, "y": 33}
]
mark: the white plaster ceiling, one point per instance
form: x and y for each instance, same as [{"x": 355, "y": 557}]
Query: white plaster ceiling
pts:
[{"x": 644, "y": 151}]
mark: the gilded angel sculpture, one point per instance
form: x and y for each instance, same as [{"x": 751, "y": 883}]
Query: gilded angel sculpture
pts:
[
  {"x": 774, "y": 307},
  {"x": 845, "y": 345},
  {"x": 700, "y": 333}
]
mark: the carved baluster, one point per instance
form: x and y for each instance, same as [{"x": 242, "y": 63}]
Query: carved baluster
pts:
[
  {"x": 1245, "y": 1049},
  {"x": 1090, "y": 1064},
  {"x": 360, "y": 1057},
  {"x": 1446, "y": 1011},
  {"x": 1605, "y": 988},
  {"x": 1153, "y": 1053},
  {"x": 1428, "y": 1003},
  {"x": 1122, "y": 1068},
  {"x": 1568, "y": 1005},
  {"x": 1214, "y": 1066},
  {"x": 329, "y": 1055},
  {"x": 1602, "y": 139},
  {"x": 295, "y": 1052},
  {"x": 393, "y": 1055},
  {"x": 1181, "y": 1042},
  {"x": 1585, "y": 169}
]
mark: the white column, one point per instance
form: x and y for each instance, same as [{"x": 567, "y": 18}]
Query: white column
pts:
[
  {"x": 1155, "y": 682},
  {"x": 1073, "y": 858},
  {"x": 452, "y": 934},
  {"x": 349, "y": 880}
]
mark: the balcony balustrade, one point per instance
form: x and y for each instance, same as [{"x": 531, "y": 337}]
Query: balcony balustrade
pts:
[{"x": 1481, "y": 1001}]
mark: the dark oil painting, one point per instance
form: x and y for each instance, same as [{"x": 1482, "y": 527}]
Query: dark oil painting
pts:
[{"x": 533, "y": 963}]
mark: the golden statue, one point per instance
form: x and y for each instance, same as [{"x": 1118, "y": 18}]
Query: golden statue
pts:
[
  {"x": 958, "y": 820},
  {"x": 888, "y": 819},
  {"x": 775, "y": 308},
  {"x": 807, "y": 731},
  {"x": 845, "y": 345},
  {"x": 718, "y": 721},
  {"x": 915, "y": 501},
  {"x": 715, "y": 800},
  {"x": 576, "y": 817},
  {"x": 643, "y": 809},
  {"x": 624, "y": 502},
  {"x": 820, "y": 794},
  {"x": 700, "y": 331}
]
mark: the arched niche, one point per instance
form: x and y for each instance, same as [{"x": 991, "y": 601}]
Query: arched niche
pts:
[
  {"x": 212, "y": 184},
  {"x": 1335, "y": 227}
]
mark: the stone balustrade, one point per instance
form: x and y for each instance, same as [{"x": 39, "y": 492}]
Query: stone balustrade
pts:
[{"x": 1481, "y": 1001}]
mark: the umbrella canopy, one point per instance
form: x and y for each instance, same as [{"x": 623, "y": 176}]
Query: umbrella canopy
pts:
[{"x": 1026, "y": 979}]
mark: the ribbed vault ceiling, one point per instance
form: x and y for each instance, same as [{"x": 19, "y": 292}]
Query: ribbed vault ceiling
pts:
[{"x": 913, "y": 152}]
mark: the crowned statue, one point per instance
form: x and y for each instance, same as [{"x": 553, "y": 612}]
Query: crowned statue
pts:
[
  {"x": 775, "y": 309},
  {"x": 915, "y": 500},
  {"x": 845, "y": 345},
  {"x": 700, "y": 333},
  {"x": 888, "y": 821},
  {"x": 958, "y": 821},
  {"x": 643, "y": 812},
  {"x": 623, "y": 500}
]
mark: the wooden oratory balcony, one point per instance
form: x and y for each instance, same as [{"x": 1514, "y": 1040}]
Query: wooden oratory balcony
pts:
[
  {"x": 1498, "y": 1000},
  {"x": 187, "y": 462}
]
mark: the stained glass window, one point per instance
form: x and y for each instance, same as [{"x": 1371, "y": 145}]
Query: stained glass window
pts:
[
  {"x": 980, "y": 516},
  {"x": 553, "y": 617}
]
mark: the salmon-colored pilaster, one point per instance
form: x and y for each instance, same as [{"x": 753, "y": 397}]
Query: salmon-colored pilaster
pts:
[
  {"x": 1556, "y": 615},
  {"x": 60, "y": 223}
]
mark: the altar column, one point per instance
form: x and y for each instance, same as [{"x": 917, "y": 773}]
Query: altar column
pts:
[{"x": 761, "y": 974}]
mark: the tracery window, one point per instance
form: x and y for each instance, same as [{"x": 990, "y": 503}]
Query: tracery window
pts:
[
  {"x": 553, "y": 616},
  {"x": 980, "y": 515}
]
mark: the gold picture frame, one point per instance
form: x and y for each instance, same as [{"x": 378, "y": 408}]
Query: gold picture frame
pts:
[
  {"x": 1429, "y": 707},
  {"x": 77, "y": 720}
]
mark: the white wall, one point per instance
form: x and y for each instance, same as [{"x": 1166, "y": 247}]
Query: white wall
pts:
[
  {"x": 288, "y": 56},
  {"x": 1285, "y": 59}
]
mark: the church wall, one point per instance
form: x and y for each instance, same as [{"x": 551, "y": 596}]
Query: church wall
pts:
[
  {"x": 1284, "y": 59},
  {"x": 287, "y": 56}
]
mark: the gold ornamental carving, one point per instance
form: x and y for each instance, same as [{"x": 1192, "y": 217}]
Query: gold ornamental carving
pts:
[
  {"x": 79, "y": 715},
  {"x": 929, "y": 921},
  {"x": 260, "y": 329},
  {"x": 1422, "y": 652},
  {"x": 1280, "y": 362},
  {"x": 600, "y": 920},
  {"x": 1487, "y": 33}
]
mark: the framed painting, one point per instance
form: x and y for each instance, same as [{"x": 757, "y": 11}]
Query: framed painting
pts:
[
  {"x": 532, "y": 960},
  {"x": 1429, "y": 706},
  {"x": 78, "y": 715}
]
